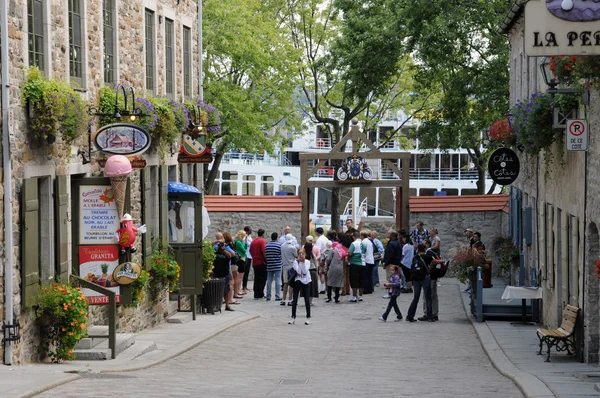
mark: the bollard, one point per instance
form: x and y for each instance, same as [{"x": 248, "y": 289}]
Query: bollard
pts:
[{"x": 479, "y": 301}]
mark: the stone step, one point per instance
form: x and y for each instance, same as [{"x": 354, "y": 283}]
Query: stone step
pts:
[
  {"x": 180, "y": 317},
  {"x": 140, "y": 348},
  {"x": 101, "y": 350},
  {"x": 89, "y": 342}
]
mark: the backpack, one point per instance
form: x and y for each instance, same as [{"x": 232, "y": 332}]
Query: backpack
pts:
[
  {"x": 419, "y": 269},
  {"x": 221, "y": 265},
  {"x": 441, "y": 272}
]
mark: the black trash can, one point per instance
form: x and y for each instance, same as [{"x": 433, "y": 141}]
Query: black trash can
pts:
[{"x": 212, "y": 295}]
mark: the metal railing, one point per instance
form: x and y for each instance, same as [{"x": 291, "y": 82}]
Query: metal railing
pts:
[
  {"x": 254, "y": 159},
  {"x": 112, "y": 312},
  {"x": 415, "y": 174}
]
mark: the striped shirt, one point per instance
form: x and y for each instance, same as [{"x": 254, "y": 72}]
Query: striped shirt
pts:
[{"x": 273, "y": 255}]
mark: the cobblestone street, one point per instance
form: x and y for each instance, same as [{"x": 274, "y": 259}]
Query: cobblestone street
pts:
[{"x": 345, "y": 351}]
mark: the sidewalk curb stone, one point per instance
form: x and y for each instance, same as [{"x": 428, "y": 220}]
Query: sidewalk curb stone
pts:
[{"x": 528, "y": 383}]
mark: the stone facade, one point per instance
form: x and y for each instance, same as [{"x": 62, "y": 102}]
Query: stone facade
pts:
[
  {"x": 270, "y": 222},
  {"x": 43, "y": 160},
  {"x": 564, "y": 200}
]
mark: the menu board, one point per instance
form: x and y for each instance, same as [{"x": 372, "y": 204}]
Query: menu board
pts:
[
  {"x": 96, "y": 265},
  {"x": 98, "y": 215}
]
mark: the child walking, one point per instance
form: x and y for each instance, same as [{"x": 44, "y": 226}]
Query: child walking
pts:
[{"x": 394, "y": 284}]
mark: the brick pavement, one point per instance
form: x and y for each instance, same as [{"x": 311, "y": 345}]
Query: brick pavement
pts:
[{"x": 345, "y": 351}]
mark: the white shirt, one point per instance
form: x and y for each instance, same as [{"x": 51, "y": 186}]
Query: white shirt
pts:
[
  {"x": 281, "y": 241},
  {"x": 303, "y": 271},
  {"x": 247, "y": 241},
  {"x": 368, "y": 256},
  {"x": 408, "y": 252},
  {"x": 321, "y": 243}
]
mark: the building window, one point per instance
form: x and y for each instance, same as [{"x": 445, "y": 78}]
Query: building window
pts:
[
  {"x": 109, "y": 42},
  {"x": 35, "y": 21},
  {"x": 75, "y": 41},
  {"x": 150, "y": 55},
  {"x": 169, "y": 56},
  {"x": 187, "y": 62}
]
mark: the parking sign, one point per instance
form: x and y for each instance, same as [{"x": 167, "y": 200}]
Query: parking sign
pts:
[{"x": 577, "y": 135}]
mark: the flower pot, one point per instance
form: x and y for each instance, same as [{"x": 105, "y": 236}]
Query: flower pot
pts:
[{"x": 212, "y": 295}]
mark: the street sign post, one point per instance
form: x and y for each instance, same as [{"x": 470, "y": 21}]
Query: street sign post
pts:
[{"x": 577, "y": 135}]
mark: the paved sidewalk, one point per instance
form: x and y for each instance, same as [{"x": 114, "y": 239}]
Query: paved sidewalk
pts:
[
  {"x": 171, "y": 339},
  {"x": 513, "y": 351}
]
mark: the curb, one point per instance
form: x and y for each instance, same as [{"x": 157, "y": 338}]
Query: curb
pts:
[
  {"x": 39, "y": 390},
  {"x": 528, "y": 383}
]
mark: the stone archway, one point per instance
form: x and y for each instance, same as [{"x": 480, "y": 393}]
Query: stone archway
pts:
[{"x": 591, "y": 318}]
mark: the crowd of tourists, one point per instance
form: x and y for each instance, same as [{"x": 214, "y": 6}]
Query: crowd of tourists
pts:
[{"x": 333, "y": 264}]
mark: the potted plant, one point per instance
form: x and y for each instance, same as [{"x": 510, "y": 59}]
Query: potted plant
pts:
[
  {"x": 138, "y": 289},
  {"x": 61, "y": 314},
  {"x": 165, "y": 271},
  {"x": 508, "y": 255}
]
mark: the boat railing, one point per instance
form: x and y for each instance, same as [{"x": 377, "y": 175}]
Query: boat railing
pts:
[
  {"x": 250, "y": 159},
  {"x": 415, "y": 174}
]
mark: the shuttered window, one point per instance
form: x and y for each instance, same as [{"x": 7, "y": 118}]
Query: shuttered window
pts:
[
  {"x": 169, "y": 57},
  {"x": 30, "y": 242},
  {"x": 150, "y": 49},
  {"x": 187, "y": 62},
  {"x": 35, "y": 22},
  {"x": 75, "y": 42},
  {"x": 109, "y": 42}
]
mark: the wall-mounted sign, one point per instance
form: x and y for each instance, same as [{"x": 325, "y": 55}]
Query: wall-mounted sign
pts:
[
  {"x": 354, "y": 169},
  {"x": 577, "y": 135},
  {"x": 194, "y": 150},
  {"x": 98, "y": 217},
  {"x": 96, "y": 265},
  {"x": 126, "y": 273},
  {"x": 136, "y": 163},
  {"x": 504, "y": 166},
  {"x": 122, "y": 139},
  {"x": 562, "y": 27}
]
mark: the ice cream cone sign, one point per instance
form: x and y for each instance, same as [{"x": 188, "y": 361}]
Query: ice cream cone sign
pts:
[
  {"x": 127, "y": 234},
  {"x": 118, "y": 167}
]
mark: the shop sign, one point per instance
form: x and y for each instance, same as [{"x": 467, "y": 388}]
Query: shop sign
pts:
[
  {"x": 98, "y": 217},
  {"x": 126, "y": 273},
  {"x": 504, "y": 166},
  {"x": 194, "y": 150},
  {"x": 122, "y": 139},
  {"x": 97, "y": 265},
  {"x": 136, "y": 163},
  {"x": 562, "y": 27}
]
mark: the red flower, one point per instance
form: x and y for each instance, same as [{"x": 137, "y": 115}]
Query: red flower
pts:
[{"x": 500, "y": 130}]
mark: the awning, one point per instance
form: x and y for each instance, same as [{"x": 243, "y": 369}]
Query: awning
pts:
[{"x": 178, "y": 187}]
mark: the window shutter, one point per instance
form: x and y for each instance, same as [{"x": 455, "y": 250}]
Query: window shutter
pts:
[
  {"x": 147, "y": 218},
  {"x": 163, "y": 203},
  {"x": 30, "y": 244},
  {"x": 61, "y": 200}
]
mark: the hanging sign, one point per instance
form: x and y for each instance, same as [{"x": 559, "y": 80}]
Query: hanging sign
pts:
[
  {"x": 97, "y": 265},
  {"x": 98, "y": 217},
  {"x": 126, "y": 273},
  {"x": 354, "y": 169},
  {"x": 504, "y": 166},
  {"x": 122, "y": 139},
  {"x": 136, "y": 163},
  {"x": 562, "y": 27},
  {"x": 577, "y": 135},
  {"x": 194, "y": 150}
]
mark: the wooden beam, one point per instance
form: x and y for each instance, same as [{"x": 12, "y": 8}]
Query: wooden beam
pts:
[
  {"x": 317, "y": 167},
  {"x": 406, "y": 194},
  {"x": 304, "y": 197},
  {"x": 364, "y": 155},
  {"x": 372, "y": 184}
]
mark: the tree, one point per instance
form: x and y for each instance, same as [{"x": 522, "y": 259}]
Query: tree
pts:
[
  {"x": 460, "y": 54},
  {"x": 250, "y": 70},
  {"x": 354, "y": 61}
]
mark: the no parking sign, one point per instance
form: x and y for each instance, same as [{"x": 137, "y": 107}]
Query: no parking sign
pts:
[{"x": 577, "y": 135}]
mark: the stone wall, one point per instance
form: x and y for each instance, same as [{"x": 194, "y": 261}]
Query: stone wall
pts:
[{"x": 269, "y": 221}]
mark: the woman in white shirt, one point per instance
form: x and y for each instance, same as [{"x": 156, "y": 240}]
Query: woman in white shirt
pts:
[{"x": 301, "y": 284}]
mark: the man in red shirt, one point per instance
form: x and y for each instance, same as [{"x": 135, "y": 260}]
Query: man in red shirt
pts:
[{"x": 259, "y": 264}]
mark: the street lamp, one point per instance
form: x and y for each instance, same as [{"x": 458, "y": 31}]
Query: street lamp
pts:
[{"x": 549, "y": 78}]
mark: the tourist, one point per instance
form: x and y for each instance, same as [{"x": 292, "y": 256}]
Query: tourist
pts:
[
  {"x": 259, "y": 264},
  {"x": 369, "y": 262},
  {"x": 469, "y": 236},
  {"x": 313, "y": 255},
  {"x": 421, "y": 281},
  {"x": 435, "y": 241},
  {"x": 288, "y": 231},
  {"x": 221, "y": 270},
  {"x": 346, "y": 240},
  {"x": 334, "y": 266},
  {"x": 419, "y": 234},
  {"x": 392, "y": 256},
  {"x": 234, "y": 266},
  {"x": 433, "y": 274},
  {"x": 321, "y": 269},
  {"x": 241, "y": 250},
  {"x": 274, "y": 265},
  {"x": 377, "y": 256},
  {"x": 406, "y": 263},
  {"x": 357, "y": 268},
  {"x": 248, "y": 267},
  {"x": 394, "y": 284},
  {"x": 321, "y": 243},
  {"x": 478, "y": 244},
  {"x": 289, "y": 253},
  {"x": 301, "y": 283}
]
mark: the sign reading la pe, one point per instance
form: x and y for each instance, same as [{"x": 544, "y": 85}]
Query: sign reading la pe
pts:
[{"x": 577, "y": 135}]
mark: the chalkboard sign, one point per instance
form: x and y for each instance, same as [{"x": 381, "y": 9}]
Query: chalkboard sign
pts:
[{"x": 504, "y": 166}]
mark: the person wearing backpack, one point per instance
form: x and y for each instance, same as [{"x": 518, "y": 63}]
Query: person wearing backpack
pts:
[
  {"x": 421, "y": 280},
  {"x": 334, "y": 267},
  {"x": 435, "y": 272}
]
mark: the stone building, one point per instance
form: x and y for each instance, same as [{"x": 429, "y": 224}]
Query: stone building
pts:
[
  {"x": 555, "y": 206},
  {"x": 150, "y": 45}
]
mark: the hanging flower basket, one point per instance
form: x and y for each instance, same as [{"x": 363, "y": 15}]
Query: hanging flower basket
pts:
[
  {"x": 574, "y": 71},
  {"x": 500, "y": 131},
  {"x": 598, "y": 268}
]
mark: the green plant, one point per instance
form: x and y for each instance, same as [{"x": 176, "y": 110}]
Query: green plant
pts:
[
  {"x": 208, "y": 258},
  {"x": 55, "y": 107},
  {"x": 576, "y": 71},
  {"x": 138, "y": 289},
  {"x": 465, "y": 262},
  {"x": 165, "y": 270},
  {"x": 62, "y": 314},
  {"x": 507, "y": 252}
]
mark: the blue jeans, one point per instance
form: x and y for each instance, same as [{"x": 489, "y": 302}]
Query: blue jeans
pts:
[
  {"x": 376, "y": 273},
  {"x": 425, "y": 284},
  {"x": 403, "y": 279},
  {"x": 277, "y": 276}
]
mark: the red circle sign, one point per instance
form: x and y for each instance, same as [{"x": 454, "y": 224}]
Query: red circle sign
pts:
[{"x": 577, "y": 128}]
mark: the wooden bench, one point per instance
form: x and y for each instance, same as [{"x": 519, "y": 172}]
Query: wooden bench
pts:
[{"x": 562, "y": 338}]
